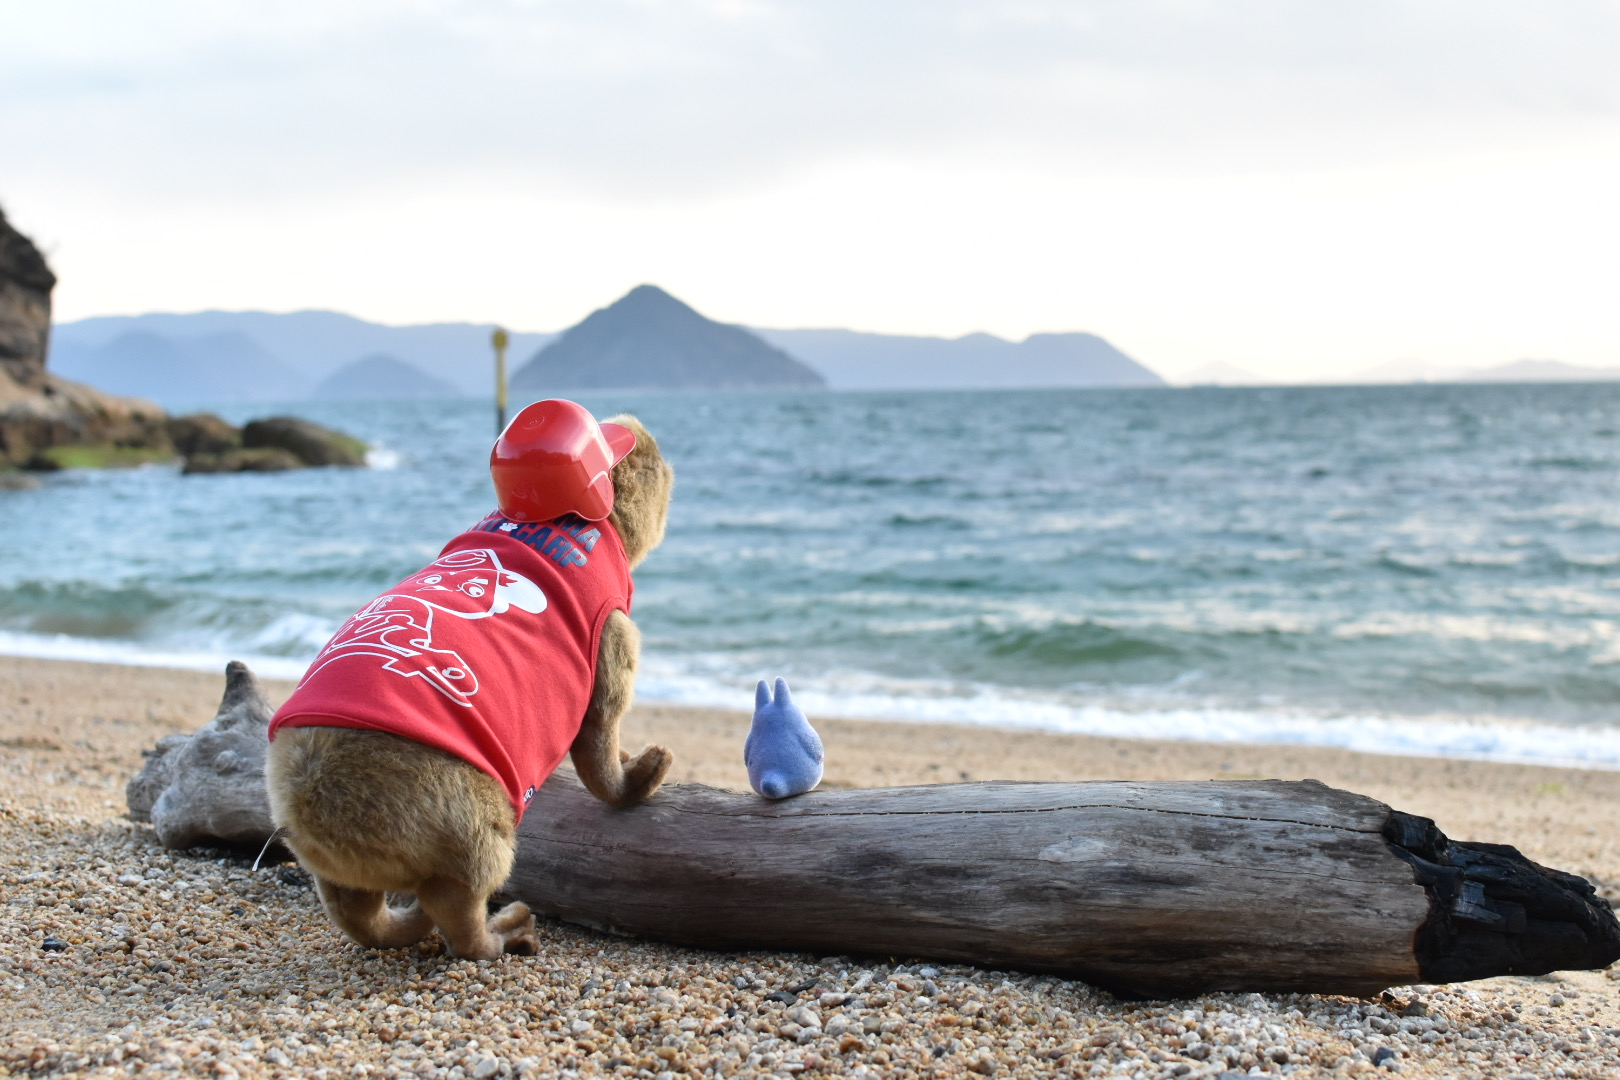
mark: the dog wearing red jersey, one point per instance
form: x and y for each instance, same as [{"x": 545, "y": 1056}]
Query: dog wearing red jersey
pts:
[{"x": 404, "y": 760}]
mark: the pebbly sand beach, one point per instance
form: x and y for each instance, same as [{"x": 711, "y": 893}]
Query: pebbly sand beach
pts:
[{"x": 118, "y": 957}]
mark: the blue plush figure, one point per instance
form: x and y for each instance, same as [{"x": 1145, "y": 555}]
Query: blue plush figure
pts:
[{"x": 783, "y": 752}]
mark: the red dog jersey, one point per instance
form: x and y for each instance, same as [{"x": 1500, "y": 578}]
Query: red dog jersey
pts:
[{"x": 488, "y": 653}]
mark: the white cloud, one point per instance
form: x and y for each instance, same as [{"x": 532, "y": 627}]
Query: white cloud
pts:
[
  {"x": 1274, "y": 184},
  {"x": 646, "y": 97}
]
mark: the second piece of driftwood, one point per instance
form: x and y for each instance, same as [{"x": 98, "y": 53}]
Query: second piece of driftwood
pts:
[
  {"x": 1147, "y": 889},
  {"x": 209, "y": 786}
]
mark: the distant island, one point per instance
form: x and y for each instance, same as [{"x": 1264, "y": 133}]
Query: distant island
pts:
[
  {"x": 217, "y": 356},
  {"x": 852, "y": 360},
  {"x": 382, "y": 377},
  {"x": 1413, "y": 372},
  {"x": 648, "y": 340}
]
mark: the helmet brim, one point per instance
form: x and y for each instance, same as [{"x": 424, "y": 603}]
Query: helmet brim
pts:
[{"x": 620, "y": 439}]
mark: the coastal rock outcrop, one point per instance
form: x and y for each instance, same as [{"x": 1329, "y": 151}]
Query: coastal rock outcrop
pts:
[
  {"x": 25, "y": 308},
  {"x": 41, "y": 414},
  {"x": 47, "y": 422},
  {"x": 311, "y": 443},
  {"x": 273, "y": 444}
]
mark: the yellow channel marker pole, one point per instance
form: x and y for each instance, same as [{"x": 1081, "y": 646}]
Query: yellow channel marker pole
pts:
[{"x": 499, "y": 340}]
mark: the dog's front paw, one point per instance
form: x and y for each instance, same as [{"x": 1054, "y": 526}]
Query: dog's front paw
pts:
[
  {"x": 514, "y": 927},
  {"x": 644, "y": 773}
]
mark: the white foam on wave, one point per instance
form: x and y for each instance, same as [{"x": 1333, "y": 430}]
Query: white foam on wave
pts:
[
  {"x": 873, "y": 698},
  {"x": 1515, "y": 742},
  {"x": 128, "y": 654},
  {"x": 295, "y": 632}
]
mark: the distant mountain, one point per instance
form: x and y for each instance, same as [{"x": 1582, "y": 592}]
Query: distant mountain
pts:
[
  {"x": 180, "y": 371},
  {"x": 315, "y": 343},
  {"x": 1394, "y": 373},
  {"x": 651, "y": 341},
  {"x": 1222, "y": 374},
  {"x": 382, "y": 378},
  {"x": 852, "y": 360},
  {"x": 287, "y": 356},
  {"x": 1538, "y": 371},
  {"x": 648, "y": 340},
  {"x": 1401, "y": 372}
]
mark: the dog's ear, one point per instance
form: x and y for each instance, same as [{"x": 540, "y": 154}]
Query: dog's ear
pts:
[{"x": 642, "y": 484}]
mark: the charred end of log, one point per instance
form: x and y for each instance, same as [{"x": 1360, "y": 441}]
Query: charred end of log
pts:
[{"x": 1494, "y": 912}]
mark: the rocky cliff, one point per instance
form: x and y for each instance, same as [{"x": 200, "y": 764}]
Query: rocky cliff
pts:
[
  {"x": 25, "y": 308},
  {"x": 38, "y": 411}
]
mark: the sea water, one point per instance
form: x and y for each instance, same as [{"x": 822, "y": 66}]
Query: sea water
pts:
[{"x": 1421, "y": 569}]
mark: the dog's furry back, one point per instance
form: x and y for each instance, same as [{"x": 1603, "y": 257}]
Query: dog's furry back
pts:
[{"x": 372, "y": 810}]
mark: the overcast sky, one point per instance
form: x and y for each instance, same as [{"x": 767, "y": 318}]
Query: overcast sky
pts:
[{"x": 1298, "y": 188}]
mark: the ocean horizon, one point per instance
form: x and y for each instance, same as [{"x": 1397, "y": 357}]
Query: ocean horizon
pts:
[{"x": 1420, "y": 570}]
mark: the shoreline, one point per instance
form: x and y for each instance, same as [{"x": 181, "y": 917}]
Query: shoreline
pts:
[
  {"x": 192, "y": 961},
  {"x": 1440, "y": 737}
]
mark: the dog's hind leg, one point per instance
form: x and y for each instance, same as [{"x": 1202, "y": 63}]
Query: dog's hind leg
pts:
[
  {"x": 366, "y": 917},
  {"x": 459, "y": 913}
]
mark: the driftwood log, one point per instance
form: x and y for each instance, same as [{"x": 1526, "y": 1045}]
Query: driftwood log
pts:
[{"x": 1146, "y": 889}]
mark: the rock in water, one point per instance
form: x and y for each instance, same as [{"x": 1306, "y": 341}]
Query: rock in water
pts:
[
  {"x": 210, "y": 786},
  {"x": 309, "y": 442},
  {"x": 783, "y": 752},
  {"x": 203, "y": 433},
  {"x": 210, "y": 445}
]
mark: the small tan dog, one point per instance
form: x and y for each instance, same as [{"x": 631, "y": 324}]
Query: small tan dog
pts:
[{"x": 369, "y": 812}]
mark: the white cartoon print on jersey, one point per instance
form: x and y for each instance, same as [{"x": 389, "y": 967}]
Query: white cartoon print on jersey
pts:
[{"x": 398, "y": 626}]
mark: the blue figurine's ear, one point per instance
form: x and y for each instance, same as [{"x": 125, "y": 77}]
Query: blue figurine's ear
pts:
[
  {"x": 762, "y": 694},
  {"x": 783, "y": 698}
]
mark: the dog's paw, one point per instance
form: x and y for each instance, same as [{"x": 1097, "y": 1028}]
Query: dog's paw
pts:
[
  {"x": 644, "y": 773},
  {"x": 515, "y": 928}
]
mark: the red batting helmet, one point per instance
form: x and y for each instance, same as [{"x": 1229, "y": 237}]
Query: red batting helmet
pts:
[{"x": 555, "y": 459}]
